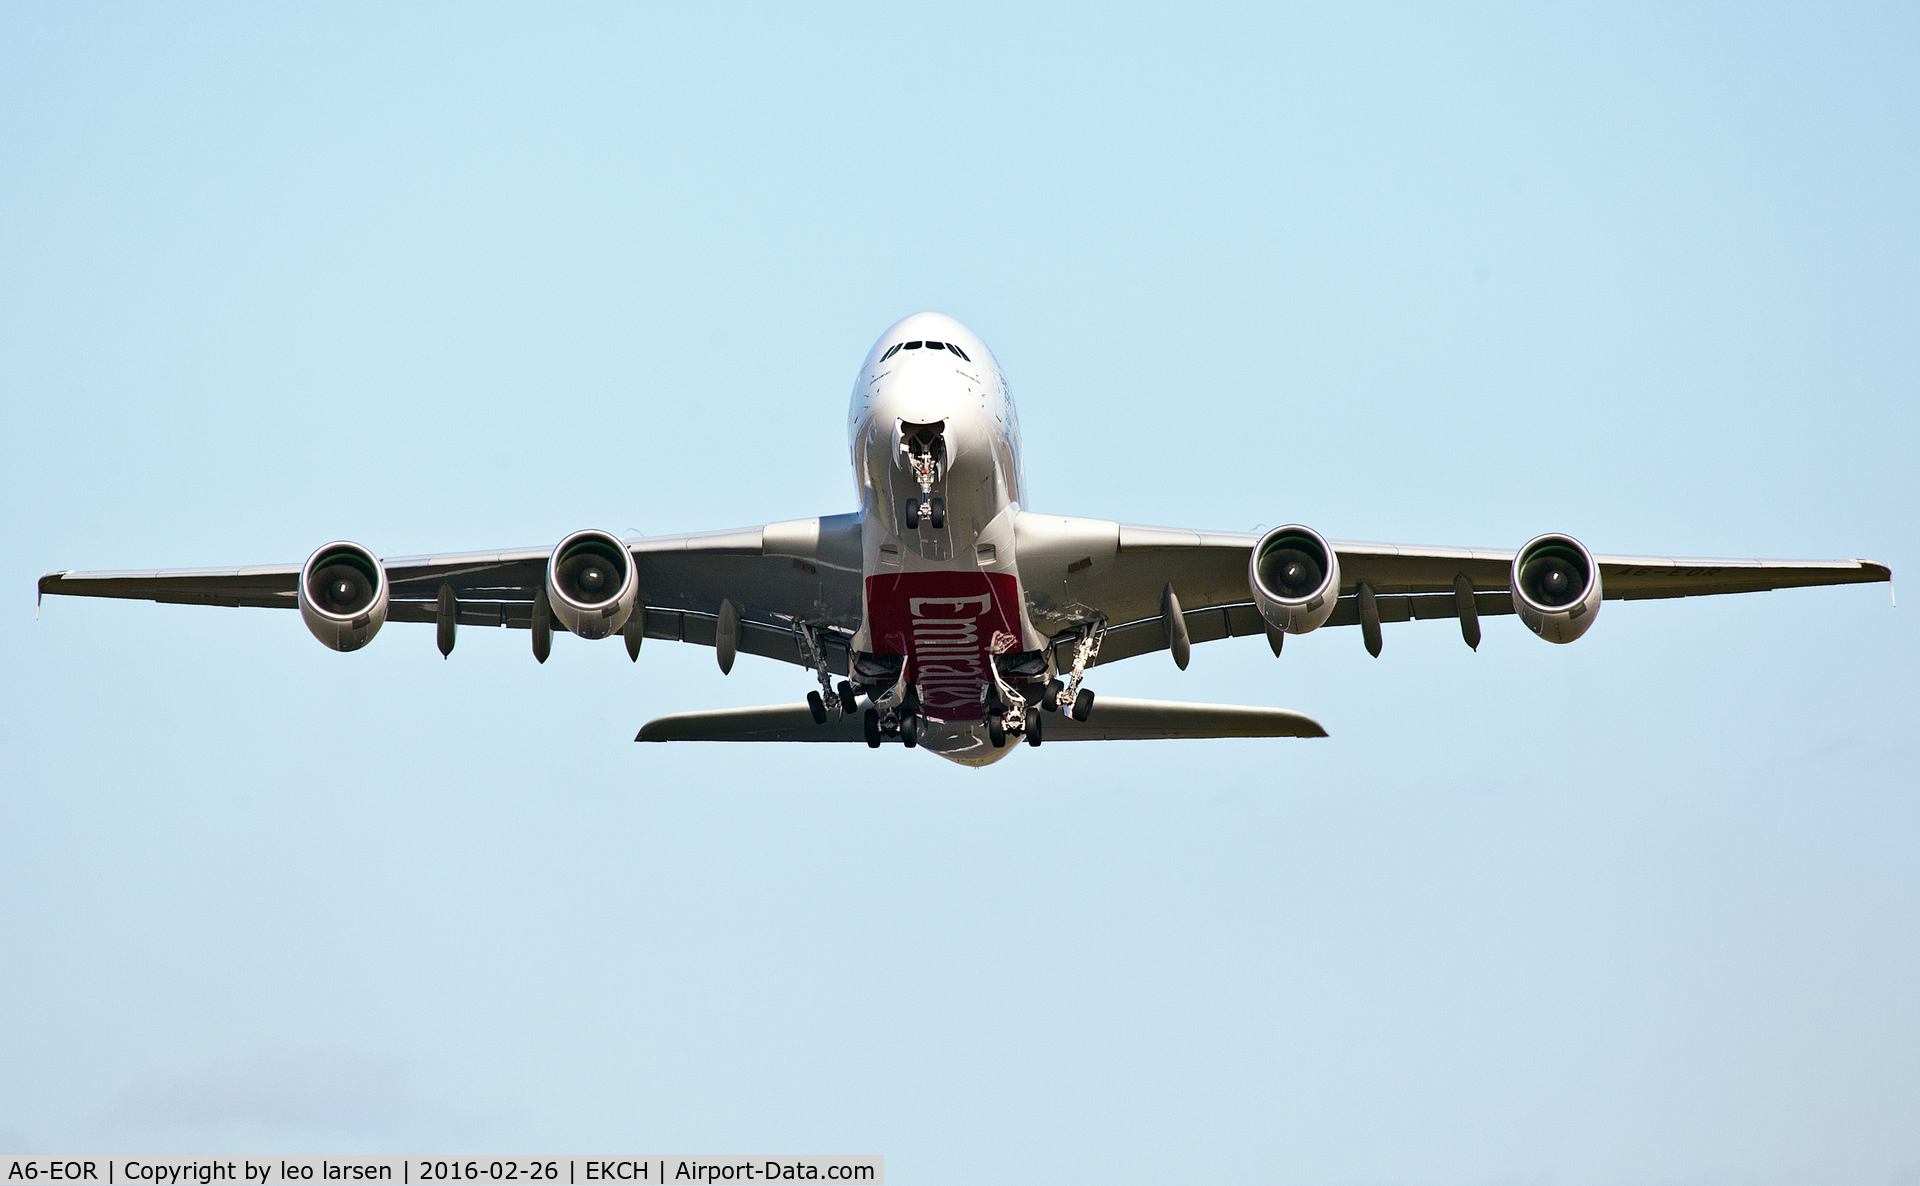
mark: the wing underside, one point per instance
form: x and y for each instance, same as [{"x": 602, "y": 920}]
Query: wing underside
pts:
[
  {"x": 1079, "y": 571},
  {"x": 776, "y": 576},
  {"x": 1075, "y": 572}
]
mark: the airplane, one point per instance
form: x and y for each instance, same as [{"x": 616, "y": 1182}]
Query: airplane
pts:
[{"x": 943, "y": 614}]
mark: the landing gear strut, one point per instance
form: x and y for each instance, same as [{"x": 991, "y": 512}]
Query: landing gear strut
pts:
[
  {"x": 810, "y": 637},
  {"x": 1086, "y": 650}
]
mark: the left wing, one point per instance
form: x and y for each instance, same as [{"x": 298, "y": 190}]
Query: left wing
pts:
[
  {"x": 803, "y": 570},
  {"x": 1077, "y": 570}
]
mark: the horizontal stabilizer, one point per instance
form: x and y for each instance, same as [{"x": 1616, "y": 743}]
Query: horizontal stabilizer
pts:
[
  {"x": 768, "y": 722},
  {"x": 1115, "y": 718}
]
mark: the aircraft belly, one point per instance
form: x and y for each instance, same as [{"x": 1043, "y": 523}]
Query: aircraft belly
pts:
[
  {"x": 947, "y": 598},
  {"x": 949, "y": 625},
  {"x": 962, "y": 742}
]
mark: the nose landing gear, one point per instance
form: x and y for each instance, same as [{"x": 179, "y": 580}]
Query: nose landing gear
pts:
[
  {"x": 925, "y": 448},
  {"x": 933, "y": 510}
]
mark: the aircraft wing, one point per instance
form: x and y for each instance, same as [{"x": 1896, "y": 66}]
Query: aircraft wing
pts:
[
  {"x": 1077, "y": 569},
  {"x": 806, "y": 569},
  {"x": 1115, "y": 718}
]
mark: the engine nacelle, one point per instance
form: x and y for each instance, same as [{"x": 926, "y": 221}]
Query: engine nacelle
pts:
[
  {"x": 1295, "y": 577},
  {"x": 591, "y": 584},
  {"x": 343, "y": 595},
  {"x": 1556, "y": 587}
]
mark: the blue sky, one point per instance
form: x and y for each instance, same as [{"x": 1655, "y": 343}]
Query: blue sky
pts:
[{"x": 1641, "y": 909}]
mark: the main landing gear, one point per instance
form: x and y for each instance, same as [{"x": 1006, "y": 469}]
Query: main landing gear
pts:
[
  {"x": 1068, "y": 695},
  {"x": 844, "y": 701},
  {"x": 895, "y": 713},
  {"x": 828, "y": 700},
  {"x": 1009, "y": 715},
  {"x": 893, "y": 704},
  {"x": 1079, "y": 708}
]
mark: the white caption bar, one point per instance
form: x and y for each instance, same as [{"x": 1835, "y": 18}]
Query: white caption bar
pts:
[{"x": 409, "y": 1171}]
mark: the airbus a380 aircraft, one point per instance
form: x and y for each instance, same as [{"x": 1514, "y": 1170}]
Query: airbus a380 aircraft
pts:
[{"x": 952, "y": 617}]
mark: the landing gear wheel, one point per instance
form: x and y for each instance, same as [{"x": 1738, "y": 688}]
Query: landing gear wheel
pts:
[
  {"x": 910, "y": 732},
  {"x": 1050, "y": 700},
  {"x": 1033, "y": 727},
  {"x": 1083, "y": 704},
  {"x": 910, "y": 703},
  {"x": 849, "y": 699},
  {"x": 872, "y": 724},
  {"x": 913, "y": 512},
  {"x": 996, "y": 732},
  {"x": 817, "y": 707},
  {"x": 995, "y": 704},
  {"x": 939, "y": 513}
]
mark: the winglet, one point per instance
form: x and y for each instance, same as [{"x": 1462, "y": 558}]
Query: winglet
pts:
[
  {"x": 1882, "y": 573},
  {"x": 40, "y": 589}
]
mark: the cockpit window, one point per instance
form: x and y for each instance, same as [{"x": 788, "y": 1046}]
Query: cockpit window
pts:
[{"x": 897, "y": 347}]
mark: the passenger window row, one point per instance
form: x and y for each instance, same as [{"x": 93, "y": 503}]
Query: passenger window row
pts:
[{"x": 899, "y": 346}]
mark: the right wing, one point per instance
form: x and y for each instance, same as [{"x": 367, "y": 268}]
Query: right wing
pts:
[
  {"x": 1115, "y": 718},
  {"x": 803, "y": 570},
  {"x": 1077, "y": 571}
]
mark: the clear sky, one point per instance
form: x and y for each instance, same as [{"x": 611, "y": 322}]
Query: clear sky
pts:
[{"x": 1643, "y": 909}]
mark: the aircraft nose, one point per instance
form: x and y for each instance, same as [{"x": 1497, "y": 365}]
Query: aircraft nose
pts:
[{"x": 920, "y": 393}]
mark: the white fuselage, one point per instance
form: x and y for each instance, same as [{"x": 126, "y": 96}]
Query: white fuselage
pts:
[{"x": 948, "y": 598}]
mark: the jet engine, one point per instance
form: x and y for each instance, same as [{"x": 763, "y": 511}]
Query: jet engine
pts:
[
  {"x": 343, "y": 595},
  {"x": 1295, "y": 576},
  {"x": 1556, "y": 587},
  {"x": 591, "y": 584}
]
